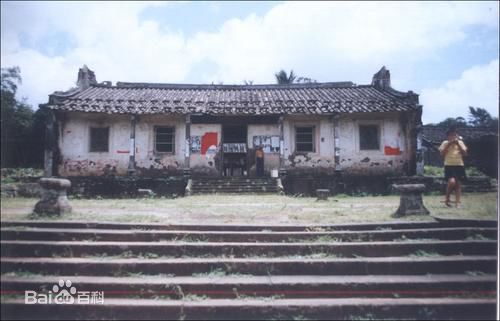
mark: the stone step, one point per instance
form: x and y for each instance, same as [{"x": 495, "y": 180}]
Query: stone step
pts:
[
  {"x": 393, "y": 225},
  {"x": 228, "y": 309},
  {"x": 235, "y": 188},
  {"x": 232, "y": 185},
  {"x": 238, "y": 250},
  {"x": 233, "y": 286},
  {"x": 248, "y": 192},
  {"x": 103, "y": 266},
  {"x": 63, "y": 234},
  {"x": 235, "y": 182}
]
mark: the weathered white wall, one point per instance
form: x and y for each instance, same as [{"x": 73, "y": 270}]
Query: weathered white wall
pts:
[
  {"x": 271, "y": 160},
  {"x": 206, "y": 164},
  {"x": 360, "y": 162},
  {"x": 146, "y": 158},
  {"x": 74, "y": 143},
  {"x": 323, "y": 156},
  {"x": 352, "y": 159}
]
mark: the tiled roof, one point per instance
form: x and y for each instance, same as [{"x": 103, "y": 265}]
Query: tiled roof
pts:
[
  {"x": 313, "y": 98},
  {"x": 437, "y": 134}
]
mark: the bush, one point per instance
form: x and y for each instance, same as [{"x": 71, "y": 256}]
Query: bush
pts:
[
  {"x": 433, "y": 171},
  {"x": 439, "y": 171}
]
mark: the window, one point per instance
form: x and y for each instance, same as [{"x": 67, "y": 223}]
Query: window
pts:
[
  {"x": 304, "y": 139},
  {"x": 99, "y": 139},
  {"x": 165, "y": 139},
  {"x": 369, "y": 138}
]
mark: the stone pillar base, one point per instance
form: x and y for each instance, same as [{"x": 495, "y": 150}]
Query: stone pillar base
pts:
[
  {"x": 411, "y": 202},
  {"x": 54, "y": 197},
  {"x": 322, "y": 194}
]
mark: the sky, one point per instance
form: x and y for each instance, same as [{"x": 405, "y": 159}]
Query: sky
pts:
[{"x": 447, "y": 52}]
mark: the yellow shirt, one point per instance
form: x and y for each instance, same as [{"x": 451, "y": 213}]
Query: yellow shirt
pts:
[{"x": 453, "y": 156}]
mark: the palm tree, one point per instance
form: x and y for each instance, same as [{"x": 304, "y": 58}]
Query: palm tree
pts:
[{"x": 282, "y": 78}]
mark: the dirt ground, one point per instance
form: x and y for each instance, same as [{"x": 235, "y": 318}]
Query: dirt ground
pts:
[{"x": 255, "y": 209}]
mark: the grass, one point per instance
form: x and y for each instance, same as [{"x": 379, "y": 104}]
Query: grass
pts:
[
  {"x": 251, "y": 209},
  {"x": 439, "y": 171},
  {"x": 422, "y": 253}
]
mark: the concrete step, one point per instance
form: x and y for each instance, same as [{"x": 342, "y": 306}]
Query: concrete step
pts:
[
  {"x": 238, "y": 249},
  {"x": 103, "y": 266},
  {"x": 236, "y": 189},
  {"x": 394, "y": 225},
  {"x": 227, "y": 309},
  {"x": 230, "y": 183},
  {"x": 237, "y": 286},
  {"x": 63, "y": 234}
]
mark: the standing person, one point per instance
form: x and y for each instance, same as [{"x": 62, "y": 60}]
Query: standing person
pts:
[
  {"x": 259, "y": 161},
  {"x": 453, "y": 150}
]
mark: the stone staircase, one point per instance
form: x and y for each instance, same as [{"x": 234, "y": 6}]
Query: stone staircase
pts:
[
  {"x": 402, "y": 270},
  {"x": 233, "y": 185}
]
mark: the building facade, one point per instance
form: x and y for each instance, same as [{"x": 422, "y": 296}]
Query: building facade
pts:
[{"x": 154, "y": 130}]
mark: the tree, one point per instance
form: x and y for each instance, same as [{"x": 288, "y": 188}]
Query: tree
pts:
[
  {"x": 481, "y": 117},
  {"x": 282, "y": 78},
  {"x": 455, "y": 122},
  {"x": 305, "y": 80},
  {"x": 17, "y": 120}
]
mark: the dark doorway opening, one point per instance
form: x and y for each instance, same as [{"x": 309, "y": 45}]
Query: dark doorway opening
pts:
[{"x": 234, "y": 150}]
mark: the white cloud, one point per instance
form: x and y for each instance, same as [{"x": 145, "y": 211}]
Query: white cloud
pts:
[
  {"x": 477, "y": 87},
  {"x": 327, "y": 41}
]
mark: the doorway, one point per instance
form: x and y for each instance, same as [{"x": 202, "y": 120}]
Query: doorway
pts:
[{"x": 234, "y": 150}]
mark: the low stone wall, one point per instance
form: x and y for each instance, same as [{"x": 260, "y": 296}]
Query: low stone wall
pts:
[
  {"x": 438, "y": 183},
  {"x": 307, "y": 184},
  {"x": 121, "y": 187}
]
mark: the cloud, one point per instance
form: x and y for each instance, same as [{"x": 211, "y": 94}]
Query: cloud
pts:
[
  {"x": 327, "y": 41},
  {"x": 477, "y": 87}
]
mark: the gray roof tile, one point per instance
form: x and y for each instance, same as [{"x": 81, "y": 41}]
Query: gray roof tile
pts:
[{"x": 314, "y": 98}]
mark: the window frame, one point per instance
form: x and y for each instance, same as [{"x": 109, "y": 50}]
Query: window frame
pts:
[
  {"x": 378, "y": 126},
  {"x": 313, "y": 138},
  {"x": 155, "y": 142},
  {"x": 90, "y": 146}
]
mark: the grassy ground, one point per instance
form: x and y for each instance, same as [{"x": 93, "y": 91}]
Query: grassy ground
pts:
[{"x": 255, "y": 209}]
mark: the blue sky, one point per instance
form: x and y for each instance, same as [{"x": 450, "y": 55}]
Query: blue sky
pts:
[{"x": 445, "y": 51}]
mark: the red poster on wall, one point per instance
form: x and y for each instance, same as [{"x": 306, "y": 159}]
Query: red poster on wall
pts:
[
  {"x": 388, "y": 150},
  {"x": 208, "y": 140}
]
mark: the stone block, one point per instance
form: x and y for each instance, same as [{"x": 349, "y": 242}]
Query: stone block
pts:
[
  {"x": 322, "y": 194},
  {"x": 54, "y": 197},
  {"x": 411, "y": 202}
]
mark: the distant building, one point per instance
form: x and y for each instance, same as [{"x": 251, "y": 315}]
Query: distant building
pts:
[{"x": 213, "y": 130}]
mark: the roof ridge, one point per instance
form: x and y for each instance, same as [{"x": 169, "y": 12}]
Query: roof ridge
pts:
[{"x": 340, "y": 84}]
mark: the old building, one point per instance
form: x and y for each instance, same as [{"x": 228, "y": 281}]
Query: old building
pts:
[{"x": 148, "y": 129}]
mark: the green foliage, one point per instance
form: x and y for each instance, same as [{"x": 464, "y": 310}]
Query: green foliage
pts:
[
  {"x": 433, "y": 171},
  {"x": 456, "y": 122},
  {"x": 22, "y": 132},
  {"x": 282, "y": 78},
  {"x": 439, "y": 171},
  {"x": 481, "y": 117},
  {"x": 478, "y": 117}
]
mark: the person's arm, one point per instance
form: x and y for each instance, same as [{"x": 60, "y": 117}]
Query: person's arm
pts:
[
  {"x": 443, "y": 149},
  {"x": 462, "y": 148}
]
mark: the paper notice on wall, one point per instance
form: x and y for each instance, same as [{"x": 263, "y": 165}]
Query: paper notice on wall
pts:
[
  {"x": 132, "y": 147},
  {"x": 256, "y": 141},
  {"x": 275, "y": 141}
]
